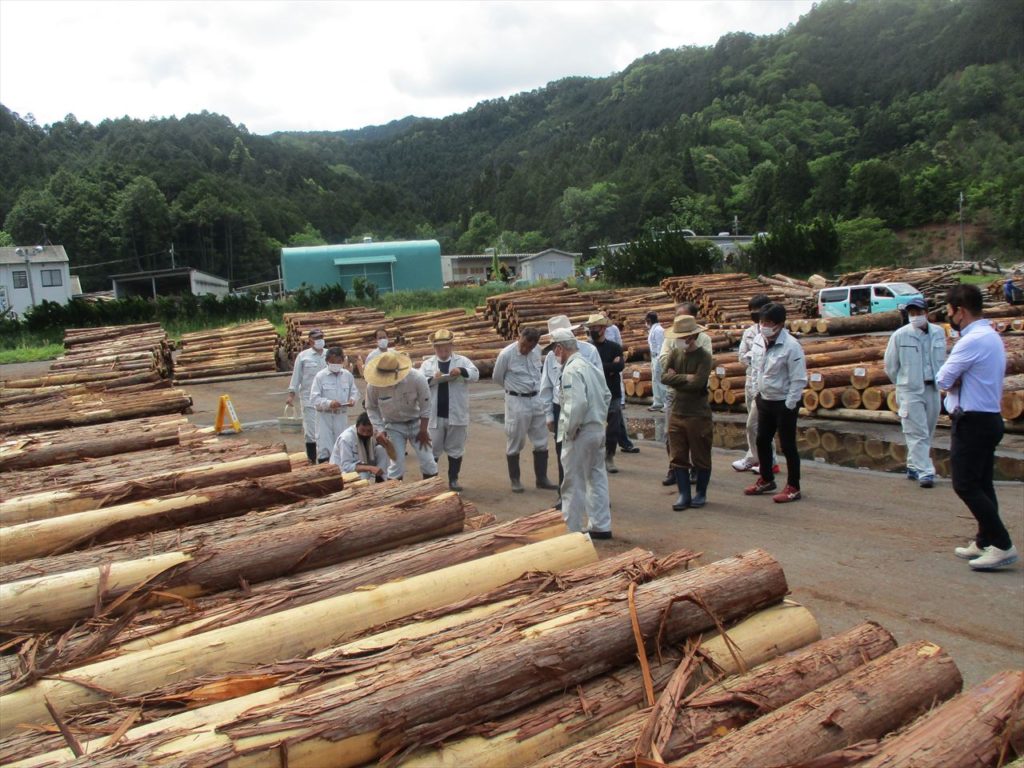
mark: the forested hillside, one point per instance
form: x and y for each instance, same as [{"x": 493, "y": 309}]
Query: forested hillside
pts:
[{"x": 873, "y": 114}]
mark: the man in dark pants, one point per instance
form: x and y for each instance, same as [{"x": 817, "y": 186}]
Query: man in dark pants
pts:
[
  {"x": 612, "y": 364},
  {"x": 780, "y": 369},
  {"x": 972, "y": 377}
]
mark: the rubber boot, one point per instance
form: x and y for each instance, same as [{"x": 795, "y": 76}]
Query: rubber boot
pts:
[
  {"x": 427, "y": 477},
  {"x": 311, "y": 452},
  {"x": 683, "y": 483},
  {"x": 700, "y": 498},
  {"x": 513, "y": 472},
  {"x": 454, "y": 465},
  {"x": 540, "y": 471}
]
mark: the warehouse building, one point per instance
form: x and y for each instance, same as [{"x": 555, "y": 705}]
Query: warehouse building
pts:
[
  {"x": 395, "y": 266},
  {"x": 176, "y": 281},
  {"x": 32, "y": 274},
  {"x": 549, "y": 264}
]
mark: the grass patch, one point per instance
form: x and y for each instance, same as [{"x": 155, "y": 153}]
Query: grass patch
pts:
[
  {"x": 30, "y": 354},
  {"x": 980, "y": 279}
]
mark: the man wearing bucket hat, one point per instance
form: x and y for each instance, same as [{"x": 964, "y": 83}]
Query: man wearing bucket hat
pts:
[
  {"x": 581, "y": 432},
  {"x": 690, "y": 432},
  {"x": 913, "y": 357},
  {"x": 612, "y": 364},
  {"x": 308, "y": 363},
  {"x": 517, "y": 370},
  {"x": 398, "y": 404},
  {"x": 448, "y": 375},
  {"x": 551, "y": 387}
]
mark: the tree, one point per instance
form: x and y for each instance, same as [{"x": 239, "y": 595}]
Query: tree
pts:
[
  {"x": 654, "y": 256},
  {"x": 874, "y": 190},
  {"x": 308, "y": 236},
  {"x": 866, "y": 243},
  {"x": 6, "y": 241},
  {"x": 144, "y": 221},
  {"x": 481, "y": 233},
  {"x": 587, "y": 214}
]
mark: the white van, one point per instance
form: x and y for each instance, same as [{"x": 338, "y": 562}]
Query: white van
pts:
[{"x": 850, "y": 300}]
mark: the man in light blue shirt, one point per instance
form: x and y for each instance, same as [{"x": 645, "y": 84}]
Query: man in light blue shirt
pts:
[
  {"x": 972, "y": 377},
  {"x": 655, "y": 340}
]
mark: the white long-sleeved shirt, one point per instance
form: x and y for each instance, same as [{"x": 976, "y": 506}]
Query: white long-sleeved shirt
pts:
[
  {"x": 655, "y": 338},
  {"x": 585, "y": 397},
  {"x": 973, "y": 373},
  {"x": 550, "y": 380},
  {"x": 913, "y": 357},
  {"x": 349, "y": 450},
  {"x": 308, "y": 363},
  {"x": 407, "y": 400},
  {"x": 516, "y": 372},
  {"x": 328, "y": 387},
  {"x": 780, "y": 370},
  {"x": 458, "y": 389}
]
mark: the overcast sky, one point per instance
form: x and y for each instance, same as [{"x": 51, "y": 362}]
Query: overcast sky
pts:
[{"x": 332, "y": 65}]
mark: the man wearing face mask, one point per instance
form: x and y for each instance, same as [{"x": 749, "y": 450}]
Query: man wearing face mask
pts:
[
  {"x": 332, "y": 393},
  {"x": 308, "y": 363},
  {"x": 750, "y": 334},
  {"x": 972, "y": 378},
  {"x": 913, "y": 358},
  {"x": 448, "y": 375},
  {"x": 612, "y": 364},
  {"x": 382, "y": 345},
  {"x": 581, "y": 432},
  {"x": 779, "y": 367},
  {"x": 612, "y": 333}
]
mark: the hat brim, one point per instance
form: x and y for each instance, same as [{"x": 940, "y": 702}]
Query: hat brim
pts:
[
  {"x": 570, "y": 328},
  {"x": 390, "y": 378},
  {"x": 673, "y": 335}
]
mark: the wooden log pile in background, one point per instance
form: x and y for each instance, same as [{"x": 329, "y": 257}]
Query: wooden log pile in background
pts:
[
  {"x": 247, "y": 348},
  {"x": 141, "y": 347}
]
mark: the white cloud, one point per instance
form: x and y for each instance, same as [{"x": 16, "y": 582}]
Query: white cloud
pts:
[{"x": 332, "y": 65}]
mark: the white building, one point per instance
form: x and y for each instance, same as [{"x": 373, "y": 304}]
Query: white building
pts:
[
  {"x": 168, "y": 282},
  {"x": 549, "y": 264},
  {"x": 32, "y": 274}
]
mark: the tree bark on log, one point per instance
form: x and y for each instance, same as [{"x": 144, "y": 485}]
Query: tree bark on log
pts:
[
  {"x": 61, "y": 599},
  {"x": 289, "y": 633},
  {"x": 881, "y": 321},
  {"x": 729, "y": 705},
  {"x": 52, "y": 504},
  {"x": 863, "y": 704},
  {"x": 57, "y": 535}
]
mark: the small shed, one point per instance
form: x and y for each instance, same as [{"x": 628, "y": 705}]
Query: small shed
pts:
[
  {"x": 32, "y": 274},
  {"x": 550, "y": 264},
  {"x": 404, "y": 265},
  {"x": 168, "y": 282}
]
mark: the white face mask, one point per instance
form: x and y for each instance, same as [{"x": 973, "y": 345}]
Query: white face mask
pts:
[
  {"x": 382, "y": 343},
  {"x": 334, "y": 367},
  {"x": 770, "y": 333},
  {"x": 319, "y": 344},
  {"x": 919, "y": 321}
]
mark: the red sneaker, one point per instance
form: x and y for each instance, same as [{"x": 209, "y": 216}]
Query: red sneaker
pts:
[
  {"x": 760, "y": 488},
  {"x": 756, "y": 469},
  {"x": 789, "y": 493}
]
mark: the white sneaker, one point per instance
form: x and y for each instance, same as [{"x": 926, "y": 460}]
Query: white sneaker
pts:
[
  {"x": 994, "y": 557},
  {"x": 969, "y": 552},
  {"x": 742, "y": 465}
]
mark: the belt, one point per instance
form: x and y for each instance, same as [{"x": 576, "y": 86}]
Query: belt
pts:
[
  {"x": 930, "y": 383},
  {"x": 521, "y": 394}
]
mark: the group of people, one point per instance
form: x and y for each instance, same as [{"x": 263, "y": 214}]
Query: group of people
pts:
[{"x": 571, "y": 387}]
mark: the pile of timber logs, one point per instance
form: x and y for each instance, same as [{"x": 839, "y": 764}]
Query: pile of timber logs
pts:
[
  {"x": 247, "y": 348},
  {"x": 77, "y": 408},
  {"x": 722, "y": 298},
  {"x": 351, "y": 328},
  {"x": 122, "y": 348},
  {"x": 510, "y": 312}
]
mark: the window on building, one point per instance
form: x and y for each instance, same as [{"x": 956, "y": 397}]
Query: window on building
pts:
[
  {"x": 20, "y": 278},
  {"x": 51, "y": 278}
]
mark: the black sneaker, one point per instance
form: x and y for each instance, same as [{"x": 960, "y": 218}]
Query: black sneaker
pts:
[
  {"x": 630, "y": 449},
  {"x": 600, "y": 534}
]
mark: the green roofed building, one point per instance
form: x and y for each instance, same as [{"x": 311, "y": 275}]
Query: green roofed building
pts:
[{"x": 398, "y": 266}]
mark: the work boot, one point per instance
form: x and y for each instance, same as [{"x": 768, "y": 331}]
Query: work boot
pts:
[
  {"x": 513, "y": 472},
  {"x": 540, "y": 471},
  {"x": 427, "y": 477},
  {"x": 670, "y": 478},
  {"x": 683, "y": 483},
  {"x": 311, "y": 452},
  {"x": 609, "y": 463},
  {"x": 700, "y": 498},
  {"x": 454, "y": 465}
]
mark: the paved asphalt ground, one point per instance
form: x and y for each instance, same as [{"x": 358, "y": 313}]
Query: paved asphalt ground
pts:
[{"x": 860, "y": 545}]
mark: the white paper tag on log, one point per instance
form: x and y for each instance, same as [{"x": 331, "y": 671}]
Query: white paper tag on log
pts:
[
  {"x": 860, "y": 371},
  {"x": 636, "y": 374},
  {"x": 720, "y": 371},
  {"x": 815, "y": 377}
]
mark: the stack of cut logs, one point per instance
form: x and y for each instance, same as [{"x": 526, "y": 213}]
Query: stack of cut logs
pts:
[
  {"x": 351, "y": 328},
  {"x": 121, "y": 348},
  {"x": 722, "y": 298},
  {"x": 247, "y": 348},
  {"x": 510, "y": 312}
]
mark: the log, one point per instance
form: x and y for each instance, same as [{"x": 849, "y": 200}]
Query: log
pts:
[
  {"x": 977, "y": 728},
  {"x": 876, "y": 398},
  {"x": 80, "y": 530},
  {"x": 40, "y": 506},
  {"x": 863, "y": 704},
  {"x": 864, "y": 376},
  {"x": 60, "y": 599},
  {"x": 522, "y": 738},
  {"x": 426, "y": 696},
  {"x": 851, "y": 398},
  {"x": 872, "y": 323},
  {"x": 735, "y": 701},
  {"x": 288, "y": 633},
  {"x": 830, "y": 398}
]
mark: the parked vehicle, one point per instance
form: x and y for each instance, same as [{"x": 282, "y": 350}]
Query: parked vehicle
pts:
[{"x": 852, "y": 300}]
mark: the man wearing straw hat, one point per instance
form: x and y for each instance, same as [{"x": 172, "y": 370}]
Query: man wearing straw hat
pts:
[
  {"x": 690, "y": 431},
  {"x": 308, "y": 363},
  {"x": 517, "y": 370},
  {"x": 551, "y": 386},
  {"x": 398, "y": 404},
  {"x": 581, "y": 432},
  {"x": 448, "y": 375}
]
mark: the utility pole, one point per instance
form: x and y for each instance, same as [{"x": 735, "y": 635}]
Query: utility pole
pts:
[
  {"x": 963, "y": 257},
  {"x": 735, "y": 224},
  {"x": 173, "y": 265}
]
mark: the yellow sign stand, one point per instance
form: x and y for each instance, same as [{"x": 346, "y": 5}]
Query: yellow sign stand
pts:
[{"x": 225, "y": 410}]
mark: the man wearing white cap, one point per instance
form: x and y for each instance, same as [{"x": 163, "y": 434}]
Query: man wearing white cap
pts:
[
  {"x": 581, "y": 431},
  {"x": 398, "y": 404},
  {"x": 448, "y": 375},
  {"x": 518, "y": 371},
  {"x": 913, "y": 358},
  {"x": 308, "y": 363},
  {"x": 333, "y": 392},
  {"x": 550, "y": 386}
]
